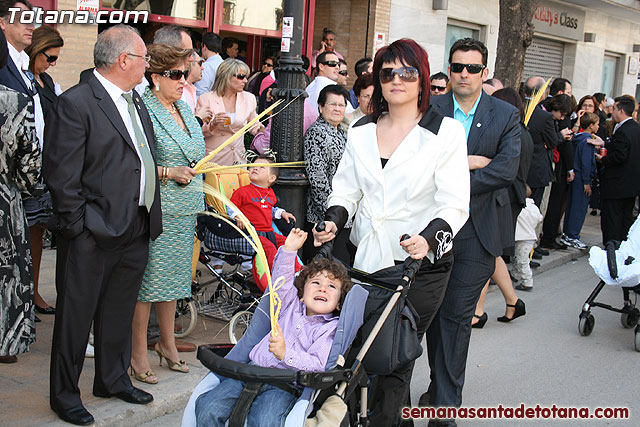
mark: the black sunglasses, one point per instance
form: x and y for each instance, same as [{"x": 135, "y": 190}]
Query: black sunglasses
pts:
[
  {"x": 267, "y": 64},
  {"x": 343, "y": 73},
  {"x": 406, "y": 74},
  {"x": 50, "y": 58},
  {"x": 456, "y": 67},
  {"x": 175, "y": 74},
  {"x": 331, "y": 63},
  {"x": 434, "y": 87},
  {"x": 240, "y": 76}
]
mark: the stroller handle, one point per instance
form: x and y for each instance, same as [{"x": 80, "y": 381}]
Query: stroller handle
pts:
[
  {"x": 327, "y": 247},
  {"x": 411, "y": 266}
]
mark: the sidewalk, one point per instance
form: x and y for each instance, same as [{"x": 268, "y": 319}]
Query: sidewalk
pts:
[{"x": 24, "y": 386}]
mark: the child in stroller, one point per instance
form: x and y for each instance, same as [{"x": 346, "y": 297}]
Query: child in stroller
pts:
[{"x": 309, "y": 318}]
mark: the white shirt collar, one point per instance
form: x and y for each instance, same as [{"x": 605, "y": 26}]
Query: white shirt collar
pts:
[
  {"x": 21, "y": 59},
  {"x": 620, "y": 124},
  {"x": 114, "y": 91}
]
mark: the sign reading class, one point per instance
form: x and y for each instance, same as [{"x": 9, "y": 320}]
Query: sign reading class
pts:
[{"x": 559, "y": 20}]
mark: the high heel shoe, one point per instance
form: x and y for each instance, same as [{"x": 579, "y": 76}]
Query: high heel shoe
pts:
[
  {"x": 44, "y": 310},
  {"x": 481, "y": 321},
  {"x": 520, "y": 311},
  {"x": 180, "y": 366},
  {"x": 145, "y": 377}
]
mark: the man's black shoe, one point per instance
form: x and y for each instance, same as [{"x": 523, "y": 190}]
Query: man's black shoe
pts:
[
  {"x": 534, "y": 264},
  {"x": 554, "y": 245},
  {"x": 536, "y": 255},
  {"x": 131, "y": 395},
  {"x": 77, "y": 415},
  {"x": 541, "y": 251}
]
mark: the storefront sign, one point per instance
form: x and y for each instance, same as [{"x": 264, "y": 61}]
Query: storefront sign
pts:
[
  {"x": 90, "y": 5},
  {"x": 559, "y": 20},
  {"x": 287, "y": 26}
]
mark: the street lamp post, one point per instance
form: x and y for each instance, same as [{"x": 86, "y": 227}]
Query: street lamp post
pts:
[{"x": 287, "y": 131}]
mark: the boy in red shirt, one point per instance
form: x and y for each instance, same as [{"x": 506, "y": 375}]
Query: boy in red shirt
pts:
[{"x": 257, "y": 202}]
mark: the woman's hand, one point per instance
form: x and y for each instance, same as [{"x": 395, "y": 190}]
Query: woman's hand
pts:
[
  {"x": 416, "y": 246},
  {"x": 220, "y": 119},
  {"x": 295, "y": 240},
  {"x": 567, "y": 134},
  {"x": 182, "y": 174},
  {"x": 205, "y": 113},
  {"x": 277, "y": 345},
  {"x": 329, "y": 233}
]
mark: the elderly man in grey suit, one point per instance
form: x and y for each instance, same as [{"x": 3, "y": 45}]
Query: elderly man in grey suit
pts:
[
  {"x": 493, "y": 146},
  {"x": 99, "y": 163}
]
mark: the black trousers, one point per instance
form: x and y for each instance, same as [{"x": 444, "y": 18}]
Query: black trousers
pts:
[
  {"x": 557, "y": 198},
  {"x": 617, "y": 218},
  {"x": 100, "y": 286},
  {"x": 536, "y": 195},
  {"x": 392, "y": 392},
  {"x": 449, "y": 334}
]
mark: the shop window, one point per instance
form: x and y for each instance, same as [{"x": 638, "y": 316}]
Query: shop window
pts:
[
  {"x": 457, "y": 32},
  {"x": 174, "y": 8},
  {"x": 609, "y": 73},
  {"x": 265, "y": 15}
]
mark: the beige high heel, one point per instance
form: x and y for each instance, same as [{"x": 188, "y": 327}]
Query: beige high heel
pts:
[
  {"x": 180, "y": 366},
  {"x": 148, "y": 377}
]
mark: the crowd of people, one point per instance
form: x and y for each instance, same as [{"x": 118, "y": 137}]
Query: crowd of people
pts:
[{"x": 448, "y": 158}]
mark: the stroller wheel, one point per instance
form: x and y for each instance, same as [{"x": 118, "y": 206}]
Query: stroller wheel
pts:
[
  {"x": 239, "y": 324},
  {"x": 186, "y": 317},
  {"x": 637, "y": 343},
  {"x": 585, "y": 325},
  {"x": 629, "y": 320}
]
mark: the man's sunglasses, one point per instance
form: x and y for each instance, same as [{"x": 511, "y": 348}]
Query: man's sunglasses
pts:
[
  {"x": 440, "y": 88},
  {"x": 331, "y": 63},
  {"x": 267, "y": 64},
  {"x": 406, "y": 74},
  {"x": 50, "y": 58},
  {"x": 240, "y": 76},
  {"x": 175, "y": 74},
  {"x": 343, "y": 73},
  {"x": 456, "y": 67}
]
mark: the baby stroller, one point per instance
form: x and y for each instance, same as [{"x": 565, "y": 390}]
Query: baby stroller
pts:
[
  {"x": 616, "y": 265},
  {"x": 370, "y": 319}
]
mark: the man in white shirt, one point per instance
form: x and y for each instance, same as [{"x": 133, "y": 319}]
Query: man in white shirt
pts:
[
  {"x": 211, "y": 45},
  {"x": 99, "y": 164}
]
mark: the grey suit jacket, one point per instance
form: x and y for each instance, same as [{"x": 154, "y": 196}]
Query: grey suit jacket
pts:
[{"x": 495, "y": 133}]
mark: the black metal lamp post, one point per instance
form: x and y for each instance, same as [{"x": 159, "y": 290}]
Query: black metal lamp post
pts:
[{"x": 286, "y": 126}]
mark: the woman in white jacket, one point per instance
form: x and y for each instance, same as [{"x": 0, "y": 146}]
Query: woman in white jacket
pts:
[{"x": 404, "y": 170}]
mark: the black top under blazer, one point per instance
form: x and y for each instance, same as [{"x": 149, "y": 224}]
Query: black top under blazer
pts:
[
  {"x": 495, "y": 133},
  {"x": 92, "y": 168}
]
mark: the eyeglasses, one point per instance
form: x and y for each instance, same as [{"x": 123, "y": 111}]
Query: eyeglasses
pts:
[
  {"x": 336, "y": 105},
  {"x": 343, "y": 73},
  {"x": 406, "y": 74},
  {"x": 267, "y": 64},
  {"x": 240, "y": 76},
  {"x": 331, "y": 63},
  {"x": 50, "y": 58},
  {"x": 456, "y": 67},
  {"x": 146, "y": 58},
  {"x": 438, "y": 88},
  {"x": 175, "y": 74}
]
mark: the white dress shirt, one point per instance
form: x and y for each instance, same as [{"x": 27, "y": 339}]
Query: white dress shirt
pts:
[
  {"x": 21, "y": 59},
  {"x": 209, "y": 70},
  {"x": 615, "y": 128},
  {"x": 314, "y": 89},
  {"x": 123, "y": 108}
]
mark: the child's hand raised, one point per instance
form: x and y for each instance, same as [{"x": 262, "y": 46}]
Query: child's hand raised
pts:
[
  {"x": 277, "y": 345},
  {"x": 295, "y": 240}
]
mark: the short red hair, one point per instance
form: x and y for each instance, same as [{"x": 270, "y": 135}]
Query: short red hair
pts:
[{"x": 411, "y": 54}]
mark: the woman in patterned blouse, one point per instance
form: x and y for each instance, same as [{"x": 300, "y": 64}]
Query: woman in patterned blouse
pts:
[{"x": 324, "y": 144}]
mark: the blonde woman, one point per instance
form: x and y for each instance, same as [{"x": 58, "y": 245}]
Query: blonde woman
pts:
[{"x": 232, "y": 109}]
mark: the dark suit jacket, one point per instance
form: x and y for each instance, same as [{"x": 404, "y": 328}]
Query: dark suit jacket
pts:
[
  {"x": 47, "y": 93},
  {"x": 620, "y": 175},
  {"x": 518, "y": 190},
  {"x": 545, "y": 139},
  {"x": 495, "y": 133},
  {"x": 92, "y": 169},
  {"x": 11, "y": 77}
]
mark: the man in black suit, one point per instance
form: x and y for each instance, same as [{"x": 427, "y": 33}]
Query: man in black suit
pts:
[
  {"x": 620, "y": 176},
  {"x": 493, "y": 141},
  {"x": 99, "y": 165}
]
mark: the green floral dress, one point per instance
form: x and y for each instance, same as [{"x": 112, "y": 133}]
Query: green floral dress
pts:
[{"x": 167, "y": 276}]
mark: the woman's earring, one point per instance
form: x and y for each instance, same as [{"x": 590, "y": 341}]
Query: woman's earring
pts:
[
  {"x": 419, "y": 98},
  {"x": 157, "y": 87}
]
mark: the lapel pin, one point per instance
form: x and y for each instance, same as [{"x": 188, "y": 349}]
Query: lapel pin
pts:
[{"x": 479, "y": 124}]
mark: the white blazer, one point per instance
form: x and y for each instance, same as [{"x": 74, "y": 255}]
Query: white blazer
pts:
[{"x": 427, "y": 177}]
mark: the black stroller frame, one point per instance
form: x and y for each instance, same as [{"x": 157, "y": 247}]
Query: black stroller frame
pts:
[
  {"x": 344, "y": 381},
  {"x": 630, "y": 314}
]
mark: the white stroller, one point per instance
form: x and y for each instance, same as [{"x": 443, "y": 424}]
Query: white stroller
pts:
[{"x": 618, "y": 264}]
